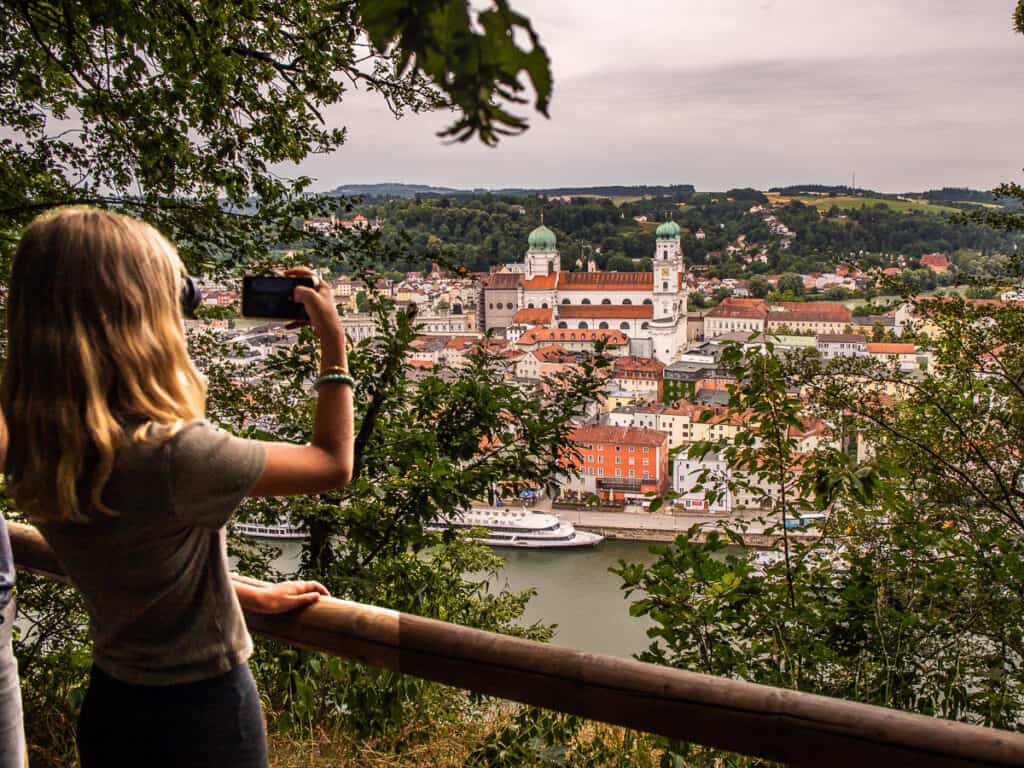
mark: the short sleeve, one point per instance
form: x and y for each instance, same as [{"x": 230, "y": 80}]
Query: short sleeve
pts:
[{"x": 211, "y": 471}]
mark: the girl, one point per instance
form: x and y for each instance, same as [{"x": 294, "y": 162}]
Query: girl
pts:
[{"x": 109, "y": 455}]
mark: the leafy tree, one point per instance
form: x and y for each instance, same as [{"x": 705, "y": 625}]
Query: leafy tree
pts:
[
  {"x": 178, "y": 113},
  {"x": 759, "y": 287},
  {"x": 791, "y": 283},
  {"x": 620, "y": 264},
  {"x": 178, "y": 109}
]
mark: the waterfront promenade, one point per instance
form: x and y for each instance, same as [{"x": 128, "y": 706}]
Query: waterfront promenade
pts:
[{"x": 632, "y": 523}]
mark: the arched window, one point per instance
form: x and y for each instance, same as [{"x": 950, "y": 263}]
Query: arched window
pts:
[
  {"x": 603, "y": 326},
  {"x": 585, "y": 301},
  {"x": 544, "y": 305},
  {"x": 627, "y": 301},
  {"x": 583, "y": 326},
  {"x": 572, "y": 337},
  {"x": 624, "y": 326},
  {"x": 648, "y": 301},
  {"x": 530, "y": 305},
  {"x": 664, "y": 286},
  {"x": 566, "y": 301},
  {"x": 644, "y": 326},
  {"x": 563, "y": 324},
  {"x": 606, "y": 301}
]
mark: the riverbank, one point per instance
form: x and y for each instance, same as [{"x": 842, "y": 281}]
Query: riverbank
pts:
[{"x": 631, "y": 524}]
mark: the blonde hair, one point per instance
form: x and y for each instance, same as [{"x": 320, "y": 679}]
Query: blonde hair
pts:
[{"x": 95, "y": 340}]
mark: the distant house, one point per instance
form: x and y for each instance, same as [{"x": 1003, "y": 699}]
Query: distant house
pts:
[
  {"x": 936, "y": 262},
  {"x": 833, "y": 345}
]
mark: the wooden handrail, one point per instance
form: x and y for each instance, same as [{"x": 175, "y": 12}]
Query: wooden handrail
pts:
[{"x": 778, "y": 724}]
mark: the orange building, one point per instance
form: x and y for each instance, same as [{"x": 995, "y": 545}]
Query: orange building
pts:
[{"x": 618, "y": 463}]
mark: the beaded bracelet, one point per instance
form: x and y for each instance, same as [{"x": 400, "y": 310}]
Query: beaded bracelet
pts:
[{"x": 340, "y": 378}]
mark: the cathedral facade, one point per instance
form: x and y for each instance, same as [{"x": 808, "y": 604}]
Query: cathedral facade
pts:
[{"x": 649, "y": 307}]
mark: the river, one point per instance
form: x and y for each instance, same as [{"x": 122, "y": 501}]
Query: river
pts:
[{"x": 574, "y": 591}]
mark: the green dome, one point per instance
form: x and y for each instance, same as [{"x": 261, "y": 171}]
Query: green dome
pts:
[
  {"x": 667, "y": 231},
  {"x": 542, "y": 239}
]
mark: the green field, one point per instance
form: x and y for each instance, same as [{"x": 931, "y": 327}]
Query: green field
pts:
[{"x": 846, "y": 202}]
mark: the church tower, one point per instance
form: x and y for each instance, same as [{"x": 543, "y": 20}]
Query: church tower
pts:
[
  {"x": 668, "y": 327},
  {"x": 668, "y": 268},
  {"x": 542, "y": 255}
]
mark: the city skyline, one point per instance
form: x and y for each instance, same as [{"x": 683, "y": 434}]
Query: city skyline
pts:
[{"x": 908, "y": 95}]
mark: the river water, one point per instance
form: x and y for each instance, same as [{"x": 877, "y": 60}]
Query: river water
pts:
[{"x": 574, "y": 590}]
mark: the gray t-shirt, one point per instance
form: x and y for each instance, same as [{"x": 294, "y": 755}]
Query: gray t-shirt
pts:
[{"x": 155, "y": 577}]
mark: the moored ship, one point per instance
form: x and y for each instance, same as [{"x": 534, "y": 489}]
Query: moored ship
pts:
[
  {"x": 510, "y": 527},
  {"x": 282, "y": 529}
]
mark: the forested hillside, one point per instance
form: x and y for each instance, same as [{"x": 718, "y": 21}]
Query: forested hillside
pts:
[{"x": 478, "y": 230}]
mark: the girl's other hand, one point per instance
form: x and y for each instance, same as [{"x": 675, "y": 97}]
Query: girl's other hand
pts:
[
  {"x": 288, "y": 595},
  {"x": 319, "y": 304}
]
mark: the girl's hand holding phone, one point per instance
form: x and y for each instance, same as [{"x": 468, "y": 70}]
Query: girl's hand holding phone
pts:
[{"x": 319, "y": 304}]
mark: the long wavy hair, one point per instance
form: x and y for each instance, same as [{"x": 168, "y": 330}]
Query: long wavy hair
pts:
[{"x": 96, "y": 355}]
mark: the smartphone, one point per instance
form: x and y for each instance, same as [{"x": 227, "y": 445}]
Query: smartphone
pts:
[{"x": 271, "y": 297}]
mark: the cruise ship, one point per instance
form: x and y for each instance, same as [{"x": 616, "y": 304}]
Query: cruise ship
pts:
[
  {"x": 511, "y": 527},
  {"x": 282, "y": 529}
]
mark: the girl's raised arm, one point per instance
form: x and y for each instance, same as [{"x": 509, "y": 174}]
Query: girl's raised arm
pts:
[{"x": 326, "y": 462}]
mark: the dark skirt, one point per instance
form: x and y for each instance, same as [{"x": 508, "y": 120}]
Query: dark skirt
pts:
[{"x": 214, "y": 722}]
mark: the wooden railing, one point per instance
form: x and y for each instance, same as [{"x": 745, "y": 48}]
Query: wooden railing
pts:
[{"x": 774, "y": 723}]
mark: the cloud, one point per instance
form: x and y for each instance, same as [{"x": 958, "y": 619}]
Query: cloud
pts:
[{"x": 721, "y": 93}]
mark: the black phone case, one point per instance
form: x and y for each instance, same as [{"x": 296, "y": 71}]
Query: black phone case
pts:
[{"x": 270, "y": 298}]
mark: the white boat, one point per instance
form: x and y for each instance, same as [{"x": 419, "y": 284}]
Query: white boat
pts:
[
  {"x": 511, "y": 527},
  {"x": 283, "y": 529}
]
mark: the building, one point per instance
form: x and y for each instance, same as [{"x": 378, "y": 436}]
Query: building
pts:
[
  {"x": 642, "y": 376},
  {"x": 618, "y": 463},
  {"x": 615, "y": 342},
  {"x": 936, "y": 262},
  {"x": 786, "y": 317},
  {"x": 833, "y": 345},
  {"x": 904, "y": 356},
  {"x": 712, "y": 472},
  {"x": 734, "y": 314},
  {"x": 649, "y": 307}
]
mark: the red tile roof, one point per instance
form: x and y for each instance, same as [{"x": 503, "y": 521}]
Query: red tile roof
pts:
[
  {"x": 541, "y": 282},
  {"x": 602, "y": 433},
  {"x": 626, "y": 366},
  {"x": 809, "y": 312},
  {"x": 547, "y": 335},
  {"x": 503, "y": 281},
  {"x": 532, "y": 317},
  {"x": 879, "y": 348},
  {"x": 606, "y": 311},
  {"x": 606, "y": 281},
  {"x": 934, "y": 260},
  {"x": 747, "y": 309}
]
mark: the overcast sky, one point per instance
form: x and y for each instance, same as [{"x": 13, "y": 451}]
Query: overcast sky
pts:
[{"x": 909, "y": 94}]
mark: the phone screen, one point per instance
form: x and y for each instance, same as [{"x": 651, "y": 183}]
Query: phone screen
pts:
[{"x": 271, "y": 297}]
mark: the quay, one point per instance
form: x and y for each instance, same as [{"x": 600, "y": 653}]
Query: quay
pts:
[{"x": 634, "y": 524}]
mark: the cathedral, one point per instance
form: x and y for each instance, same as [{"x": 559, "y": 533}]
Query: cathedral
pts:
[{"x": 649, "y": 307}]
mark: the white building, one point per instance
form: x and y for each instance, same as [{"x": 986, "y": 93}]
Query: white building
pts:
[
  {"x": 687, "y": 473},
  {"x": 649, "y": 307},
  {"x": 833, "y": 345}
]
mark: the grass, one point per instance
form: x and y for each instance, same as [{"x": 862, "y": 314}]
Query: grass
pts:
[
  {"x": 445, "y": 744},
  {"x": 848, "y": 202}
]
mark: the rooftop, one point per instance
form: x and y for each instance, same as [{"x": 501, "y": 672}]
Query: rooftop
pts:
[
  {"x": 609, "y": 281},
  {"x": 607, "y": 311},
  {"x": 602, "y": 433}
]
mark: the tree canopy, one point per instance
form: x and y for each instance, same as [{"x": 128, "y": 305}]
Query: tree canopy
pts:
[{"x": 180, "y": 111}]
